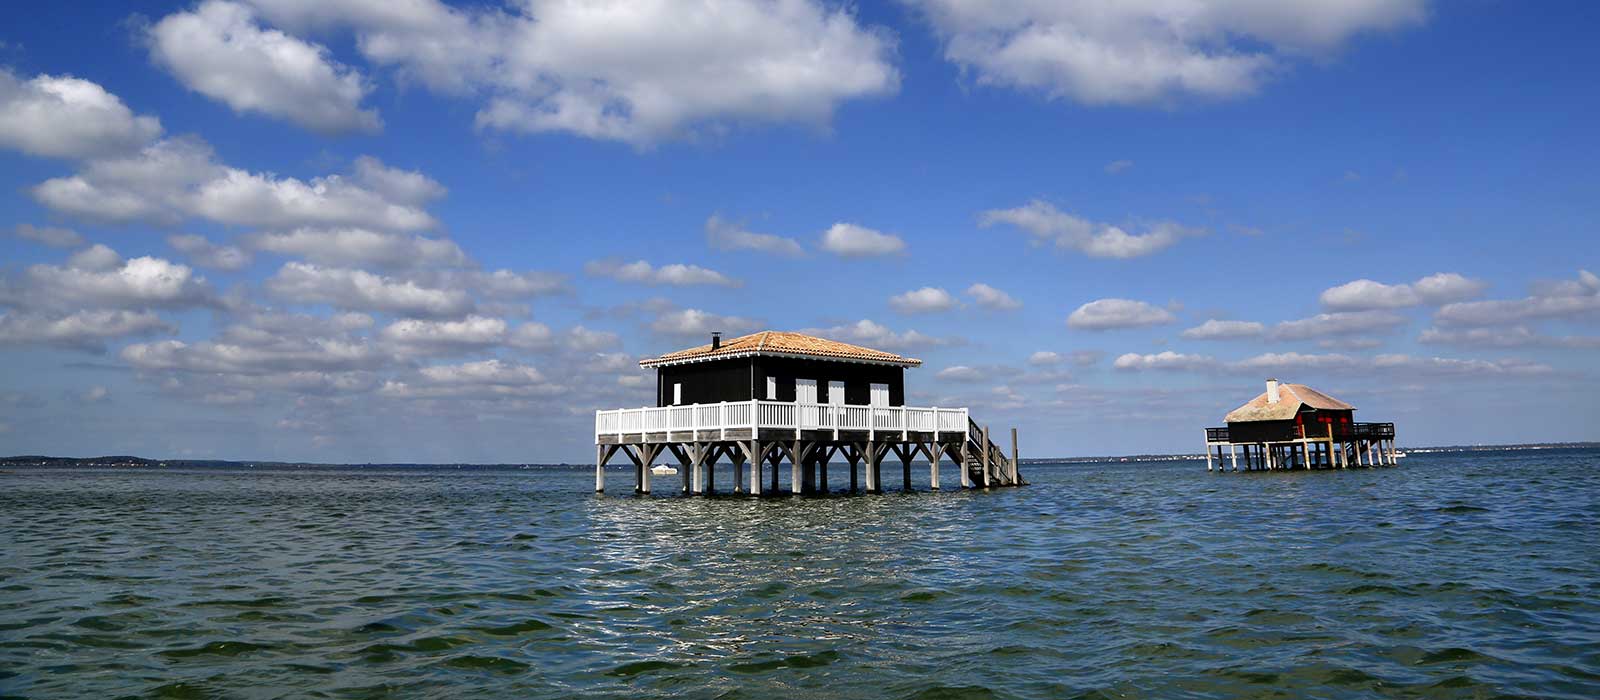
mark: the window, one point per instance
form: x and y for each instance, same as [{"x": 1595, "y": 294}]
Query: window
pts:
[
  {"x": 677, "y": 394},
  {"x": 772, "y": 388}
]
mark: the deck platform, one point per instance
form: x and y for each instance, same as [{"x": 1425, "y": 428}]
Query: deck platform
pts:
[{"x": 1365, "y": 444}]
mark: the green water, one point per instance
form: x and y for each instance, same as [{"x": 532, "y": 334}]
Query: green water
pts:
[{"x": 1469, "y": 576}]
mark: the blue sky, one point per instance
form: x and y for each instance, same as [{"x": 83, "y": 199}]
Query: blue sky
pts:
[{"x": 359, "y": 231}]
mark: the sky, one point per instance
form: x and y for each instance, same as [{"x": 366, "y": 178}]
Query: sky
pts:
[{"x": 362, "y": 231}]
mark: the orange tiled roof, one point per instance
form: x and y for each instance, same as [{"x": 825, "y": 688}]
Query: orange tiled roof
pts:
[
  {"x": 1290, "y": 398},
  {"x": 782, "y": 343}
]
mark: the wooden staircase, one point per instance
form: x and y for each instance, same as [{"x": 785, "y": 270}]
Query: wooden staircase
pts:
[{"x": 1002, "y": 469}]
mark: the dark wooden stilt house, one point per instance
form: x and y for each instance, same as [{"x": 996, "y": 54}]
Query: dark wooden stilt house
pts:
[
  {"x": 1292, "y": 425},
  {"x": 772, "y": 396}
]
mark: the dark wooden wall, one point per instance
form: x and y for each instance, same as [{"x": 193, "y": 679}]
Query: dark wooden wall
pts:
[
  {"x": 743, "y": 379},
  {"x": 1274, "y": 430}
]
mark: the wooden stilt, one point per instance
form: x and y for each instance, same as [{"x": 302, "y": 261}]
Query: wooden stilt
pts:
[
  {"x": 935, "y": 451},
  {"x": 853, "y": 456},
  {"x": 984, "y": 447},
  {"x": 600, "y": 468},
  {"x": 905, "y": 467}
]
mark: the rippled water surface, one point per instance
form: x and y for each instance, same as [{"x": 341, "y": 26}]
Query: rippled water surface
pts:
[{"x": 1473, "y": 575}]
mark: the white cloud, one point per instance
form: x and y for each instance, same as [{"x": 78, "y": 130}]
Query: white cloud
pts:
[
  {"x": 1105, "y": 314},
  {"x": 95, "y": 258},
  {"x": 49, "y": 235},
  {"x": 1117, "y": 167},
  {"x": 434, "y": 338},
  {"x": 962, "y": 373},
  {"x": 1511, "y": 337},
  {"x": 1335, "y": 324},
  {"x": 1573, "y": 299},
  {"x": 1447, "y": 366},
  {"x": 98, "y": 277},
  {"x": 677, "y": 275},
  {"x": 1147, "y": 52},
  {"x": 1045, "y": 358},
  {"x": 66, "y": 117},
  {"x": 505, "y": 284},
  {"x": 924, "y": 300},
  {"x": 587, "y": 340},
  {"x": 1167, "y": 360},
  {"x": 80, "y": 330},
  {"x": 1295, "y": 361},
  {"x": 173, "y": 179},
  {"x": 218, "y": 50},
  {"x": 1045, "y": 223},
  {"x": 638, "y": 72},
  {"x": 258, "y": 356},
  {"x": 360, "y": 290},
  {"x": 990, "y": 298},
  {"x": 94, "y": 394},
  {"x": 876, "y": 335},
  {"x": 852, "y": 241},
  {"x": 473, "y": 380},
  {"x": 697, "y": 323},
  {"x": 204, "y": 253},
  {"x": 1365, "y": 294},
  {"x": 397, "y": 184},
  {"x": 359, "y": 246},
  {"x": 726, "y": 235},
  {"x": 1214, "y": 329}
]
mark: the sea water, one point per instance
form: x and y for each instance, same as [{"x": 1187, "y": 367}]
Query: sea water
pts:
[{"x": 1455, "y": 575}]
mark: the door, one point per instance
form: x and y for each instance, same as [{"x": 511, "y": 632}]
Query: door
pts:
[
  {"x": 805, "y": 399},
  {"x": 880, "y": 395},
  {"x": 677, "y": 394},
  {"x": 835, "y": 400}
]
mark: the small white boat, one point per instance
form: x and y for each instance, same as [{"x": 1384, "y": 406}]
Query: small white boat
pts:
[
  {"x": 663, "y": 470},
  {"x": 1398, "y": 454}
]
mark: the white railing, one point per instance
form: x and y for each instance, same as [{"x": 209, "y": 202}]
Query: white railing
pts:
[{"x": 779, "y": 415}]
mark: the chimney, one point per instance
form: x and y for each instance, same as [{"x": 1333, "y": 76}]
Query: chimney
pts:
[
  {"x": 716, "y": 340},
  {"x": 1272, "y": 391}
]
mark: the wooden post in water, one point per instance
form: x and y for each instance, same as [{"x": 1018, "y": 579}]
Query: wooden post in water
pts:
[
  {"x": 935, "y": 451},
  {"x": 1232, "y": 455},
  {"x": 600, "y": 469},
  {"x": 987, "y": 456},
  {"x": 1016, "y": 474},
  {"x": 905, "y": 467}
]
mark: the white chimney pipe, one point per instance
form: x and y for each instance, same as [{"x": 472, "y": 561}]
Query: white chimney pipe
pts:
[{"x": 1272, "y": 391}]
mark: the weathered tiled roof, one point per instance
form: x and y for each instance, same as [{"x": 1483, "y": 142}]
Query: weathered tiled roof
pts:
[
  {"x": 1290, "y": 398},
  {"x": 782, "y": 343}
]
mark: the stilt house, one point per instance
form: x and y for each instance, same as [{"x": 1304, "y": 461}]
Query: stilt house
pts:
[
  {"x": 767, "y": 397},
  {"x": 1294, "y": 425}
]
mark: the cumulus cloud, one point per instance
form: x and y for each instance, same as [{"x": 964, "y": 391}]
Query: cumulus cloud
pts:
[
  {"x": 434, "y": 338},
  {"x": 697, "y": 323},
  {"x": 1045, "y": 358},
  {"x": 1167, "y": 360},
  {"x": 1117, "y": 167},
  {"x": 220, "y": 51},
  {"x": 1106, "y": 314},
  {"x": 1337, "y": 324},
  {"x": 67, "y": 117},
  {"x": 924, "y": 300},
  {"x": 970, "y": 374},
  {"x": 204, "y": 253},
  {"x": 990, "y": 298},
  {"x": 359, "y": 246},
  {"x": 1569, "y": 300},
  {"x": 876, "y": 335},
  {"x": 48, "y": 235},
  {"x": 252, "y": 354},
  {"x": 98, "y": 277},
  {"x": 359, "y": 290},
  {"x": 1046, "y": 224},
  {"x": 174, "y": 179},
  {"x": 1215, "y": 329},
  {"x": 1365, "y": 294},
  {"x": 1510, "y": 337},
  {"x": 852, "y": 241},
  {"x": 641, "y": 271},
  {"x": 81, "y": 330},
  {"x": 638, "y": 72},
  {"x": 1138, "y": 53},
  {"x": 507, "y": 284},
  {"x": 727, "y": 235},
  {"x": 472, "y": 380}
]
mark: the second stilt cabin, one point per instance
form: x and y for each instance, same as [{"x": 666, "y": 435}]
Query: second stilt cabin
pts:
[
  {"x": 1293, "y": 426},
  {"x": 770, "y": 397}
]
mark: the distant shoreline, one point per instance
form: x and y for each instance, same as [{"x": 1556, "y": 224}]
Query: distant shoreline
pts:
[{"x": 129, "y": 461}]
